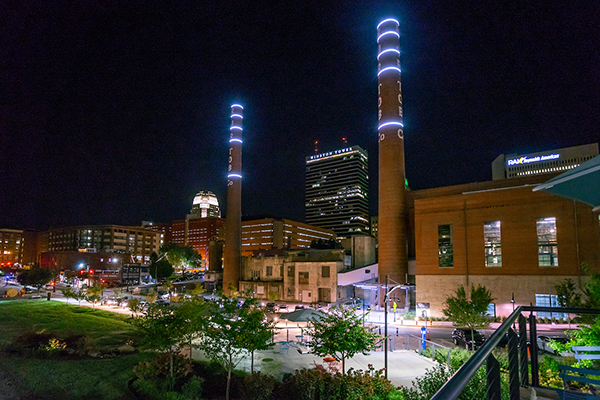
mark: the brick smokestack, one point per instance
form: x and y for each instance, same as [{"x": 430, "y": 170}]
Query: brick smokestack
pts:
[
  {"x": 233, "y": 223},
  {"x": 393, "y": 216}
]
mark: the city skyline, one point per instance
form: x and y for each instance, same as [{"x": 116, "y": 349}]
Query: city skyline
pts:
[{"x": 115, "y": 114}]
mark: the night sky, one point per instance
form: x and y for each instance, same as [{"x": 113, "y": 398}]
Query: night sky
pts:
[{"x": 114, "y": 112}]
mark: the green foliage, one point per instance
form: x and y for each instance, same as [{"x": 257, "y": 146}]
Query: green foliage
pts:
[
  {"x": 355, "y": 385},
  {"x": 232, "y": 331},
  {"x": 469, "y": 313},
  {"x": 585, "y": 336},
  {"x": 257, "y": 386},
  {"x": 93, "y": 294},
  {"x": 158, "y": 389},
  {"x": 181, "y": 257},
  {"x": 341, "y": 334},
  {"x": 160, "y": 268},
  {"x": 134, "y": 304},
  {"x": 458, "y": 356},
  {"x": 68, "y": 293},
  {"x": 35, "y": 276},
  {"x": 567, "y": 295},
  {"x": 548, "y": 373}
]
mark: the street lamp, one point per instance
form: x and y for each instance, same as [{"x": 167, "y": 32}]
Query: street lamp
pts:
[{"x": 386, "y": 299}]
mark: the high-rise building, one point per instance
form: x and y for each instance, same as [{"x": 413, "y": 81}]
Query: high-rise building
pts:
[
  {"x": 337, "y": 191},
  {"x": 205, "y": 205}
]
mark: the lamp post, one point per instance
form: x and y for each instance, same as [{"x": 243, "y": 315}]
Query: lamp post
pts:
[{"x": 386, "y": 299}]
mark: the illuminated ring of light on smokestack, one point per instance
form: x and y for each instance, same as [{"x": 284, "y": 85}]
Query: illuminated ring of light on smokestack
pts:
[
  {"x": 236, "y": 115},
  {"x": 387, "y": 51},
  {"x": 389, "y": 68},
  {"x": 235, "y": 127},
  {"x": 234, "y": 176},
  {"x": 393, "y": 123},
  {"x": 388, "y": 33},
  {"x": 235, "y": 140},
  {"x": 237, "y": 105},
  {"x": 388, "y": 20}
]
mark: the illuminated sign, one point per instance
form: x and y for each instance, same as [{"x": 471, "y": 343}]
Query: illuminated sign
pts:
[
  {"x": 527, "y": 160},
  {"x": 331, "y": 153}
]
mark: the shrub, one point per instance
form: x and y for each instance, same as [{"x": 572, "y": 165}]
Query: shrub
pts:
[
  {"x": 156, "y": 389},
  {"x": 257, "y": 386},
  {"x": 159, "y": 367},
  {"x": 548, "y": 371}
]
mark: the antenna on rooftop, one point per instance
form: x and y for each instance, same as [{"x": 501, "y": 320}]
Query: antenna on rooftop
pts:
[{"x": 316, "y": 146}]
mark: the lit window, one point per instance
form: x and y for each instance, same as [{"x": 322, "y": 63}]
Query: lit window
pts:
[
  {"x": 492, "y": 243},
  {"x": 445, "y": 251},
  {"x": 547, "y": 245}
]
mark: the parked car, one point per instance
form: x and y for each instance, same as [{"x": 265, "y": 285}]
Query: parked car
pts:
[
  {"x": 282, "y": 307},
  {"x": 299, "y": 307},
  {"x": 462, "y": 337},
  {"x": 543, "y": 344},
  {"x": 271, "y": 307}
]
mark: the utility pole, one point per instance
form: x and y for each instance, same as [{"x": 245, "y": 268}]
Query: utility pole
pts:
[{"x": 386, "y": 326}]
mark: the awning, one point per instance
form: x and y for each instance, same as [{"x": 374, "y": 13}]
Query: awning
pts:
[{"x": 581, "y": 183}]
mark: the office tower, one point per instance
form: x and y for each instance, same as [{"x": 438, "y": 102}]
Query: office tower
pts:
[
  {"x": 232, "y": 260},
  {"x": 205, "y": 205},
  {"x": 337, "y": 191},
  {"x": 392, "y": 229}
]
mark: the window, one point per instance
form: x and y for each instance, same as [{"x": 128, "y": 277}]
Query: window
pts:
[
  {"x": 548, "y": 300},
  {"x": 547, "y": 247},
  {"x": 445, "y": 254},
  {"x": 255, "y": 274},
  {"x": 302, "y": 277},
  {"x": 269, "y": 270},
  {"x": 492, "y": 243},
  {"x": 325, "y": 271},
  {"x": 290, "y": 271}
]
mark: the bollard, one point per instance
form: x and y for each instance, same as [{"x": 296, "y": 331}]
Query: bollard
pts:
[
  {"x": 396, "y": 331},
  {"x": 49, "y": 295}
]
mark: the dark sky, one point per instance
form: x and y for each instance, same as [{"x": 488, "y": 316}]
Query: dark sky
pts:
[{"x": 118, "y": 111}]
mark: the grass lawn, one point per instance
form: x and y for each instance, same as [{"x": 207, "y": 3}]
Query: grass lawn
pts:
[
  {"x": 103, "y": 327},
  {"x": 55, "y": 378}
]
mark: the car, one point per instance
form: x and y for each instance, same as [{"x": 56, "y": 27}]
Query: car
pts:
[
  {"x": 543, "y": 344},
  {"x": 299, "y": 307},
  {"x": 271, "y": 307},
  {"x": 462, "y": 337},
  {"x": 282, "y": 307}
]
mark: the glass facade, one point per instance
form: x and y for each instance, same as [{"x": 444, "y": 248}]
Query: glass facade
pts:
[
  {"x": 492, "y": 243},
  {"x": 548, "y": 300},
  {"x": 445, "y": 251},
  {"x": 547, "y": 246}
]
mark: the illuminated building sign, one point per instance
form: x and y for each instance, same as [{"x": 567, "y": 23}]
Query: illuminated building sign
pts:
[
  {"x": 527, "y": 160},
  {"x": 331, "y": 153}
]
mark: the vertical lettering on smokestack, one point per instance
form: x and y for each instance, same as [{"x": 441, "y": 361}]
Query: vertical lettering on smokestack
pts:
[
  {"x": 233, "y": 223},
  {"x": 393, "y": 219}
]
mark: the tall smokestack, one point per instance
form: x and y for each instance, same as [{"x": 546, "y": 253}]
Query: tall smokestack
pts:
[
  {"x": 233, "y": 223},
  {"x": 393, "y": 216}
]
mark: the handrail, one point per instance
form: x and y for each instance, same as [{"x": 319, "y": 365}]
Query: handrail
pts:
[{"x": 453, "y": 388}]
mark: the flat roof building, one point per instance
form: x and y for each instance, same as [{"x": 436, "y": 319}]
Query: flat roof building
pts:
[
  {"x": 337, "y": 191},
  {"x": 543, "y": 162}
]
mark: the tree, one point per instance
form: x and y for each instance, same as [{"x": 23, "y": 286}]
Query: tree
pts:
[
  {"x": 79, "y": 295},
  {"x": 567, "y": 296},
  {"x": 341, "y": 334},
  {"x": 35, "y": 276},
  {"x": 165, "y": 329},
  {"x": 469, "y": 313},
  {"x": 68, "y": 293},
  {"x": 160, "y": 267},
  {"x": 182, "y": 257},
  {"x": 135, "y": 305},
  {"x": 94, "y": 293},
  {"x": 262, "y": 331},
  {"x": 228, "y": 334}
]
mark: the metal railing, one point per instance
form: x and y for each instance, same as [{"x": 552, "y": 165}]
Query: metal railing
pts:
[
  {"x": 432, "y": 345},
  {"x": 518, "y": 360}
]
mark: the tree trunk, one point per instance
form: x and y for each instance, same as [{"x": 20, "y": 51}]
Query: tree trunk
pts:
[
  {"x": 344, "y": 365},
  {"x": 228, "y": 379},
  {"x": 171, "y": 369},
  {"x": 472, "y": 340},
  {"x": 252, "y": 362}
]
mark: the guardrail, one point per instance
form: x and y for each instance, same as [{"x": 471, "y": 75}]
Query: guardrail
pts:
[{"x": 518, "y": 360}]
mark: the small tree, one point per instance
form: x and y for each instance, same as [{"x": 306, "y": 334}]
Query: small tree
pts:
[
  {"x": 160, "y": 268},
  {"x": 94, "y": 293},
  {"x": 469, "y": 313},
  {"x": 68, "y": 293},
  {"x": 79, "y": 295},
  {"x": 164, "y": 329},
  {"x": 262, "y": 331},
  {"x": 567, "y": 296},
  {"x": 229, "y": 333},
  {"x": 341, "y": 334}
]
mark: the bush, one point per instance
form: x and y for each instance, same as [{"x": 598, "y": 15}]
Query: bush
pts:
[
  {"x": 159, "y": 367},
  {"x": 548, "y": 371},
  {"x": 257, "y": 386},
  {"x": 156, "y": 389},
  {"x": 355, "y": 385}
]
